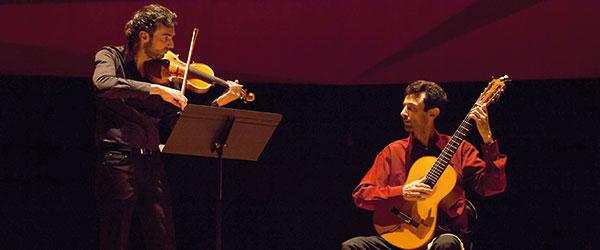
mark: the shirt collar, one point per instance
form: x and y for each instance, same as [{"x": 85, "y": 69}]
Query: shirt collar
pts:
[
  {"x": 435, "y": 139},
  {"x": 128, "y": 53}
]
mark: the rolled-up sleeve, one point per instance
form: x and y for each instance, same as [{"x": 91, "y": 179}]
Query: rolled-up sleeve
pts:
[
  {"x": 375, "y": 186},
  {"x": 490, "y": 176}
]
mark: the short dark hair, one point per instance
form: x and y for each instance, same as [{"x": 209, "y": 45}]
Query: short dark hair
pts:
[
  {"x": 435, "y": 96},
  {"x": 147, "y": 19}
]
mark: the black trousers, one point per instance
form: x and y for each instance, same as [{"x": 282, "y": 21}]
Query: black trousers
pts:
[
  {"x": 441, "y": 242},
  {"x": 128, "y": 183}
]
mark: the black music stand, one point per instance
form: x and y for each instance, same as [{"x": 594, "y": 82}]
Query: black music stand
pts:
[{"x": 221, "y": 133}]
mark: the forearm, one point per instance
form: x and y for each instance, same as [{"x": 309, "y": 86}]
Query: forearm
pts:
[
  {"x": 366, "y": 196},
  {"x": 487, "y": 137},
  {"x": 115, "y": 87}
]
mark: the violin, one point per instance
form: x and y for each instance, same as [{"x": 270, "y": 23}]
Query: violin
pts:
[{"x": 170, "y": 69}]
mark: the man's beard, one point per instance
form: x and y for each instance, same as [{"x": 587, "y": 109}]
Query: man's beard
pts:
[{"x": 154, "y": 54}]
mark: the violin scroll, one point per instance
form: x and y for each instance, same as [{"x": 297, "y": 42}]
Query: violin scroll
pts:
[{"x": 243, "y": 94}]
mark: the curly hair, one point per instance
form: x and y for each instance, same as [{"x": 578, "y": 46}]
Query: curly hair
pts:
[
  {"x": 147, "y": 19},
  {"x": 435, "y": 96}
]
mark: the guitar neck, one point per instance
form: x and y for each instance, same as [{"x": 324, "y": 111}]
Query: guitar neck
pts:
[{"x": 448, "y": 152}]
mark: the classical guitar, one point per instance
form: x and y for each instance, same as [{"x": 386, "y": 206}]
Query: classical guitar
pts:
[{"x": 411, "y": 224}]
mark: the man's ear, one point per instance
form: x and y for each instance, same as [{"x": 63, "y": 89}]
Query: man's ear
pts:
[
  {"x": 434, "y": 112},
  {"x": 144, "y": 36}
]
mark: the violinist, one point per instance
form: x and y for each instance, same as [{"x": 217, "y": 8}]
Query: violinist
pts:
[{"x": 133, "y": 116}]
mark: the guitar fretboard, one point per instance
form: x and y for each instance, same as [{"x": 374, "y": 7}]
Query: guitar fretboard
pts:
[{"x": 448, "y": 152}]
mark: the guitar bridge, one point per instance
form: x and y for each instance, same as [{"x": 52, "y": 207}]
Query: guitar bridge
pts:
[{"x": 404, "y": 217}]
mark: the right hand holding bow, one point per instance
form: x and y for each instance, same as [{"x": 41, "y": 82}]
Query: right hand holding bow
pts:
[{"x": 169, "y": 95}]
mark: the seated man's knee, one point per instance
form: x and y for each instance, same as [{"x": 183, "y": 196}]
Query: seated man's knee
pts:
[
  {"x": 446, "y": 242},
  {"x": 354, "y": 244},
  {"x": 349, "y": 244}
]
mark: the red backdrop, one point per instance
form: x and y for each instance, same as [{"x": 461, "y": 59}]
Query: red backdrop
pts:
[{"x": 327, "y": 42}]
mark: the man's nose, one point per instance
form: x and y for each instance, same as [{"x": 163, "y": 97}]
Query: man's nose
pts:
[
  {"x": 171, "y": 44},
  {"x": 403, "y": 113}
]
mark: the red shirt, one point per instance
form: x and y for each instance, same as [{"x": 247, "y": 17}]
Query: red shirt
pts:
[{"x": 386, "y": 177}]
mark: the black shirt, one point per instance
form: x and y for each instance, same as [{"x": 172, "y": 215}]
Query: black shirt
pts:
[
  {"x": 126, "y": 112},
  {"x": 419, "y": 150}
]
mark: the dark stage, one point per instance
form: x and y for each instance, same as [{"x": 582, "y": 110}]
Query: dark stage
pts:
[{"x": 298, "y": 195}]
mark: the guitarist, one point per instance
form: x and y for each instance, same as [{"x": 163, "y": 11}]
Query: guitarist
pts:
[{"x": 422, "y": 104}]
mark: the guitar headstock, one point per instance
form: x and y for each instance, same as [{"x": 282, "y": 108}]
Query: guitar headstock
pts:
[{"x": 492, "y": 92}]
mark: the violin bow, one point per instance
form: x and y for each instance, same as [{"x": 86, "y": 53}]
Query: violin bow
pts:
[{"x": 189, "y": 59}]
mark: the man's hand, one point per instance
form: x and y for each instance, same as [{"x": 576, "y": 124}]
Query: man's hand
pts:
[
  {"x": 232, "y": 93},
  {"x": 416, "y": 190},
  {"x": 480, "y": 115},
  {"x": 169, "y": 95},
  {"x": 235, "y": 87}
]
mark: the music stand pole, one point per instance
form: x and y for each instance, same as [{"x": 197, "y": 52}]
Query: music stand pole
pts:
[
  {"x": 218, "y": 146},
  {"x": 245, "y": 133}
]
